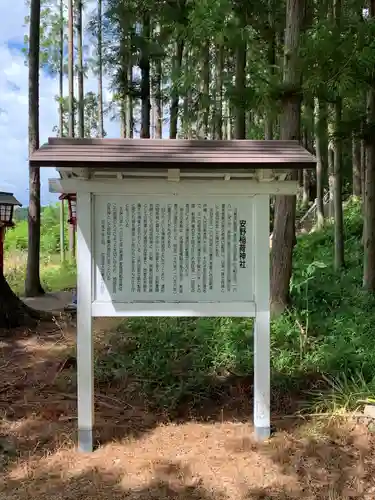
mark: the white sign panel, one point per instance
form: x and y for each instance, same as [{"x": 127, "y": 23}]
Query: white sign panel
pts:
[{"x": 174, "y": 249}]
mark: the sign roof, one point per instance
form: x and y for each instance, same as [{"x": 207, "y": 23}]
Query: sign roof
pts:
[{"x": 168, "y": 153}]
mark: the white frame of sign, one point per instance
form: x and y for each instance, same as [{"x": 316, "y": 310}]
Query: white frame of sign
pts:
[{"x": 257, "y": 193}]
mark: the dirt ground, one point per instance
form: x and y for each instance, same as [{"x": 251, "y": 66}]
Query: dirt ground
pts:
[{"x": 209, "y": 455}]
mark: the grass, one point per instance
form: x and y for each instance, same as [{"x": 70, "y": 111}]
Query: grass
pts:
[
  {"x": 149, "y": 454},
  {"x": 324, "y": 344},
  {"x": 54, "y": 276},
  {"x": 148, "y": 368}
]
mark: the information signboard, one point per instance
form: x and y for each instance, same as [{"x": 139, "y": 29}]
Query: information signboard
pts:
[{"x": 176, "y": 249}]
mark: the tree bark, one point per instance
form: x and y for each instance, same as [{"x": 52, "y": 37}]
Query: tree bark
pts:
[
  {"x": 285, "y": 206},
  {"x": 72, "y": 241},
  {"x": 337, "y": 166},
  {"x": 145, "y": 78},
  {"x": 81, "y": 98},
  {"x": 71, "y": 67},
  {"x": 205, "y": 96},
  {"x": 13, "y": 312},
  {"x": 363, "y": 166},
  {"x": 337, "y": 190},
  {"x": 100, "y": 71},
  {"x": 356, "y": 161},
  {"x": 129, "y": 100},
  {"x": 309, "y": 145},
  {"x": 271, "y": 58},
  {"x": 369, "y": 212},
  {"x": 123, "y": 121},
  {"x": 61, "y": 70},
  {"x": 331, "y": 158},
  {"x": 177, "y": 63},
  {"x": 321, "y": 142},
  {"x": 187, "y": 102},
  {"x": 218, "y": 112},
  {"x": 33, "y": 286},
  {"x": 240, "y": 118},
  {"x": 158, "y": 100}
]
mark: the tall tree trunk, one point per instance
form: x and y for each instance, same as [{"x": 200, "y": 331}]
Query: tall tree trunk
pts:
[
  {"x": 337, "y": 167},
  {"x": 32, "y": 284},
  {"x": 100, "y": 71},
  {"x": 331, "y": 159},
  {"x": 356, "y": 161},
  {"x": 309, "y": 145},
  {"x": 72, "y": 241},
  {"x": 81, "y": 101},
  {"x": 125, "y": 85},
  {"x": 129, "y": 101},
  {"x": 285, "y": 206},
  {"x": 337, "y": 189},
  {"x": 363, "y": 164},
  {"x": 205, "y": 96},
  {"x": 188, "y": 100},
  {"x": 304, "y": 176},
  {"x": 13, "y": 311},
  {"x": 369, "y": 212},
  {"x": 71, "y": 67},
  {"x": 123, "y": 121},
  {"x": 177, "y": 63},
  {"x": 321, "y": 142},
  {"x": 158, "y": 100},
  {"x": 240, "y": 117},
  {"x": 218, "y": 110},
  {"x": 61, "y": 71},
  {"x": 145, "y": 78},
  {"x": 229, "y": 121},
  {"x": 271, "y": 58}
]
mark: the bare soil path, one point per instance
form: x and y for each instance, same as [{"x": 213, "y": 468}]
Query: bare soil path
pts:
[
  {"x": 50, "y": 302},
  {"x": 209, "y": 455}
]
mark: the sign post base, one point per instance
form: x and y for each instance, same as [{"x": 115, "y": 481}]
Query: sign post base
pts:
[
  {"x": 85, "y": 444},
  {"x": 262, "y": 433}
]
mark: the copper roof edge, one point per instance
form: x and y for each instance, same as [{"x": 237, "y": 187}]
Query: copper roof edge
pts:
[{"x": 72, "y": 152}]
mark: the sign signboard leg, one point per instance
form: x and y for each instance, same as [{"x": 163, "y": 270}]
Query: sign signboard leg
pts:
[
  {"x": 262, "y": 319},
  {"x": 85, "y": 361}
]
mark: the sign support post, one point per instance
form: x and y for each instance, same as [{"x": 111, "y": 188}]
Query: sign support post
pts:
[
  {"x": 262, "y": 391},
  {"x": 85, "y": 350}
]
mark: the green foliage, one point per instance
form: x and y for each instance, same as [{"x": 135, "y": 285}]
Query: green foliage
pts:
[
  {"x": 54, "y": 275},
  {"x": 344, "y": 394},
  {"x": 174, "y": 358},
  {"x": 16, "y": 238},
  {"x": 328, "y": 333},
  {"x": 91, "y": 114}
]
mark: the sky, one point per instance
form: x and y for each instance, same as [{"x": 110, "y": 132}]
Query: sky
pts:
[{"x": 14, "y": 107}]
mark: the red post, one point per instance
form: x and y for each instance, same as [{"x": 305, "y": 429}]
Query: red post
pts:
[{"x": 2, "y": 234}]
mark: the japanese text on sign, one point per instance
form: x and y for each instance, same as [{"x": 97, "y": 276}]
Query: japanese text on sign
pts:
[{"x": 173, "y": 251}]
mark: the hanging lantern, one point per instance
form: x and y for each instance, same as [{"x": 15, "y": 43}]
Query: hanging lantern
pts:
[
  {"x": 72, "y": 207},
  {"x": 7, "y": 204}
]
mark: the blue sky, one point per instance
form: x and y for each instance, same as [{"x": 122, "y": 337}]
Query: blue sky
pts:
[{"x": 14, "y": 106}]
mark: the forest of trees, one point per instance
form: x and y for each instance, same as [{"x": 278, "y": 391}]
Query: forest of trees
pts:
[{"x": 221, "y": 69}]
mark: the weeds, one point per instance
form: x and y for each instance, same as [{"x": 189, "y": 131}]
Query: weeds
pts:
[
  {"x": 54, "y": 275},
  {"x": 345, "y": 393},
  {"x": 327, "y": 335}
]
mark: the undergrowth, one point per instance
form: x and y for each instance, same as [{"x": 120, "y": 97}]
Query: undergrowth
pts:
[
  {"x": 327, "y": 335},
  {"x": 54, "y": 275}
]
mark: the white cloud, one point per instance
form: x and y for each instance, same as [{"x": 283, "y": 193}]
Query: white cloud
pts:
[{"x": 14, "y": 106}]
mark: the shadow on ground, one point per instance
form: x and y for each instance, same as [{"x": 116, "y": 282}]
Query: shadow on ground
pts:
[
  {"x": 203, "y": 449},
  {"x": 38, "y": 391},
  {"x": 324, "y": 466}
]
